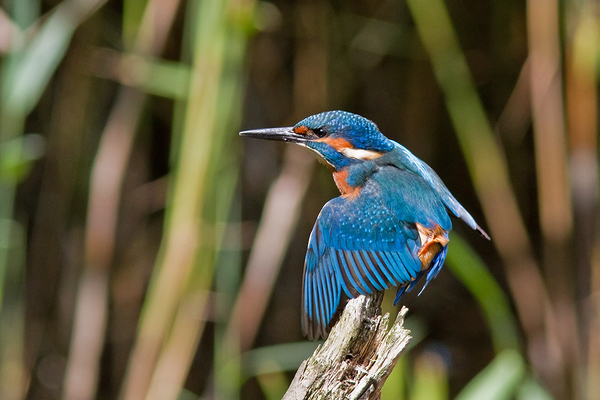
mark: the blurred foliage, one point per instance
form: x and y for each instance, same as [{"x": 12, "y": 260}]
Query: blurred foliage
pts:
[{"x": 146, "y": 251}]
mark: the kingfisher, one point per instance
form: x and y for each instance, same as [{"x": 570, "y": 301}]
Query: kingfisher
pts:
[{"x": 388, "y": 228}]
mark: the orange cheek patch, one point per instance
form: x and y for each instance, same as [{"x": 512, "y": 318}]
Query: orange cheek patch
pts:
[
  {"x": 301, "y": 130},
  {"x": 338, "y": 144}
]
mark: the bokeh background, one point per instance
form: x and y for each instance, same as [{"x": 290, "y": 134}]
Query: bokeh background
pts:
[{"x": 147, "y": 251}]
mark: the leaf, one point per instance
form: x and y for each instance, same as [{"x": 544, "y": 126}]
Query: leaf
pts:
[
  {"x": 39, "y": 60},
  {"x": 498, "y": 381},
  {"x": 17, "y": 155},
  {"x": 466, "y": 265}
]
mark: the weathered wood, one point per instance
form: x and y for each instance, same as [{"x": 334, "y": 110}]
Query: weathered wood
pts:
[{"x": 356, "y": 358}]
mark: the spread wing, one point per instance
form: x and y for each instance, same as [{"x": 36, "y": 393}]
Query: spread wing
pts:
[{"x": 366, "y": 243}]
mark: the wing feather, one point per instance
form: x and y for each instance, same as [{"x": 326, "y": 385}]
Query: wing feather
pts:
[
  {"x": 385, "y": 267},
  {"x": 320, "y": 292},
  {"x": 326, "y": 290},
  {"x": 376, "y": 271},
  {"x": 363, "y": 277}
]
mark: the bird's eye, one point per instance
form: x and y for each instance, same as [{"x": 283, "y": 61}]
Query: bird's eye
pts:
[{"x": 320, "y": 132}]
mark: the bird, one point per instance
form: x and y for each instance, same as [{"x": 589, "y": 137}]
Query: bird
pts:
[{"x": 389, "y": 226}]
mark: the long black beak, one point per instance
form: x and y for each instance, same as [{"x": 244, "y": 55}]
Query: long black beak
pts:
[{"x": 281, "y": 134}]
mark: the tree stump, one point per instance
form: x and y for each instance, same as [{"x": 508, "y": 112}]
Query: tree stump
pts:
[{"x": 357, "y": 357}]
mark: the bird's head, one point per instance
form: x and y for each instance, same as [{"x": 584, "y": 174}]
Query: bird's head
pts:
[{"x": 339, "y": 137}]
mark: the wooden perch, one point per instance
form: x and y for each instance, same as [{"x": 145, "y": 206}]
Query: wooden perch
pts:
[{"x": 356, "y": 358}]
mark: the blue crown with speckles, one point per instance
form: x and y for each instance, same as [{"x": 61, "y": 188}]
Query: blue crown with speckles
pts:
[{"x": 361, "y": 132}]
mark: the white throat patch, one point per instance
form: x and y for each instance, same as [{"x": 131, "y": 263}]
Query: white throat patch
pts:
[{"x": 361, "y": 154}]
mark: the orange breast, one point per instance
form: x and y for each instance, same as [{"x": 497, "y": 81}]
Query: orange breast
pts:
[{"x": 341, "y": 181}]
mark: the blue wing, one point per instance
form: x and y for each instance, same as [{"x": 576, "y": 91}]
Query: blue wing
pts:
[{"x": 367, "y": 243}]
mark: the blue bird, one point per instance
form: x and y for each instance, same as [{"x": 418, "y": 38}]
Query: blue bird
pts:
[{"x": 389, "y": 227}]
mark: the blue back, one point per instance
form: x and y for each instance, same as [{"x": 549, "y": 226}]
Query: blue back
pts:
[{"x": 364, "y": 134}]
